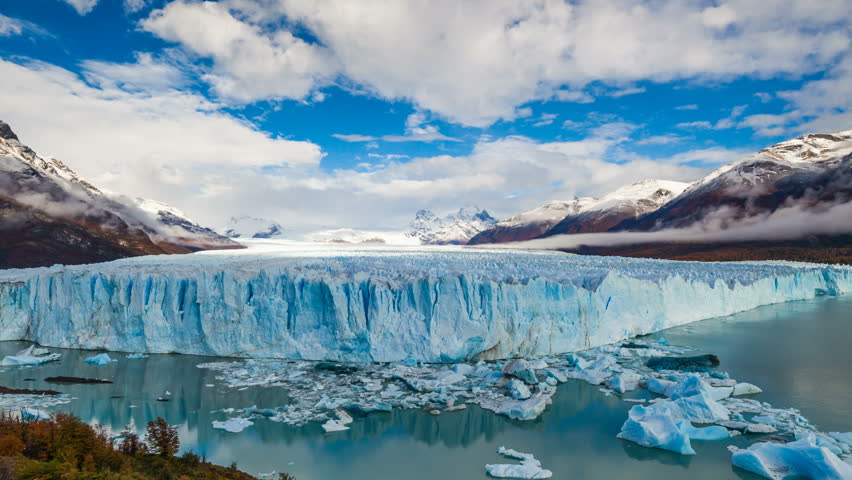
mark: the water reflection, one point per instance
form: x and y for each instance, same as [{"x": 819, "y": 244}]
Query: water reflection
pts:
[{"x": 575, "y": 437}]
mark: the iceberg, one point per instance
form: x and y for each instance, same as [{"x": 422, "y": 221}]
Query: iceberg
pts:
[
  {"x": 31, "y": 355},
  {"x": 99, "y": 359},
  {"x": 385, "y": 304},
  {"x": 664, "y": 425},
  {"x": 528, "y": 468},
  {"x": 802, "y": 458}
]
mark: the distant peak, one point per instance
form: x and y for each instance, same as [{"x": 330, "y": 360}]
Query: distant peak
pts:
[{"x": 6, "y": 131}]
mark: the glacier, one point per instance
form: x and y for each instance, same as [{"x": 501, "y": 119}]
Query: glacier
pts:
[{"x": 290, "y": 300}]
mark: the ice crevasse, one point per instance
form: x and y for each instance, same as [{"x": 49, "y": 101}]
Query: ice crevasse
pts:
[{"x": 385, "y": 304}]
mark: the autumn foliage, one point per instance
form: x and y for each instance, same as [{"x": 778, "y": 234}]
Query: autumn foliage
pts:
[{"x": 66, "y": 448}]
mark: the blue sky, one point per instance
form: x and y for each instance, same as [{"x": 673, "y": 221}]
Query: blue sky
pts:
[{"x": 356, "y": 114}]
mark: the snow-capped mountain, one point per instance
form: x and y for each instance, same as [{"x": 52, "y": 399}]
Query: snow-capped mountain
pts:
[
  {"x": 246, "y": 226},
  {"x": 809, "y": 171},
  {"x": 49, "y": 214},
  {"x": 176, "y": 227},
  {"x": 628, "y": 202},
  {"x": 583, "y": 215},
  {"x": 453, "y": 229}
]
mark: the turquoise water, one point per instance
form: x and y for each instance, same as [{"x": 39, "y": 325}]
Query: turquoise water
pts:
[{"x": 797, "y": 352}]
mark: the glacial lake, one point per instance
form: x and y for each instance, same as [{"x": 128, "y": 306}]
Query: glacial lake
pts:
[{"x": 797, "y": 352}]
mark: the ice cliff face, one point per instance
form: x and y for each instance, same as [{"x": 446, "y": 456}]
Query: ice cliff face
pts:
[{"x": 435, "y": 304}]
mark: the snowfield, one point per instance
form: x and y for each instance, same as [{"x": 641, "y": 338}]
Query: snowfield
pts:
[{"x": 279, "y": 299}]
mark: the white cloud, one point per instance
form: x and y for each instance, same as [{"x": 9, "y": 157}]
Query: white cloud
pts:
[
  {"x": 180, "y": 148},
  {"x": 690, "y": 106},
  {"x": 146, "y": 74},
  {"x": 476, "y": 62},
  {"x": 167, "y": 145},
  {"x": 82, "y": 6},
  {"x": 15, "y": 26},
  {"x": 249, "y": 63},
  {"x": 626, "y": 91},
  {"x": 416, "y": 130},
  {"x": 667, "y": 139}
]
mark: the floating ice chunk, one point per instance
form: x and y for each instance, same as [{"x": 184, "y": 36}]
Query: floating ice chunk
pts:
[
  {"x": 701, "y": 408},
  {"x": 559, "y": 375},
  {"x": 233, "y": 425},
  {"x": 596, "y": 372},
  {"x": 746, "y": 389},
  {"x": 15, "y": 360},
  {"x": 660, "y": 386},
  {"x": 339, "y": 424},
  {"x": 760, "y": 428},
  {"x": 528, "y": 409},
  {"x": 624, "y": 382},
  {"x": 826, "y": 441},
  {"x": 528, "y": 468},
  {"x": 714, "y": 432},
  {"x": 656, "y": 427},
  {"x": 842, "y": 437},
  {"x": 693, "y": 384},
  {"x": 32, "y": 351},
  {"x": 518, "y": 389},
  {"x": 521, "y": 369},
  {"x": 136, "y": 355},
  {"x": 99, "y": 359},
  {"x": 663, "y": 425},
  {"x": 802, "y": 458}
]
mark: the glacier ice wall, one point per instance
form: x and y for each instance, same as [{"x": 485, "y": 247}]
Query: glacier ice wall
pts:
[{"x": 385, "y": 305}]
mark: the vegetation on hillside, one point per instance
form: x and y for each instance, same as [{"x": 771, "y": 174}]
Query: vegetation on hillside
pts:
[{"x": 66, "y": 448}]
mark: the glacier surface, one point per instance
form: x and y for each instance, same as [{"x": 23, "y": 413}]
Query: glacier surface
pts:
[{"x": 281, "y": 299}]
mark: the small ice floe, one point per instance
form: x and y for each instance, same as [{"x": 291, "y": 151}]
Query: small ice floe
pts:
[
  {"x": 801, "y": 458},
  {"x": 596, "y": 372},
  {"x": 625, "y": 381},
  {"x": 338, "y": 424},
  {"x": 31, "y": 355},
  {"x": 134, "y": 356},
  {"x": 99, "y": 359},
  {"x": 528, "y": 409},
  {"x": 233, "y": 425},
  {"x": 746, "y": 389},
  {"x": 528, "y": 468}
]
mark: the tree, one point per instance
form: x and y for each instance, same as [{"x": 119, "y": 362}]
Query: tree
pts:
[
  {"x": 162, "y": 438},
  {"x": 131, "y": 445}
]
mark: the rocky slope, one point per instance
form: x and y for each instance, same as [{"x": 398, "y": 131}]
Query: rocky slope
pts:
[
  {"x": 49, "y": 215},
  {"x": 583, "y": 215}
]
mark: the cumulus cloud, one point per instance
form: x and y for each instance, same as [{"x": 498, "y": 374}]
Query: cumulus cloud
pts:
[
  {"x": 163, "y": 145},
  {"x": 248, "y": 63},
  {"x": 477, "y": 62},
  {"x": 179, "y": 148},
  {"x": 82, "y": 6}
]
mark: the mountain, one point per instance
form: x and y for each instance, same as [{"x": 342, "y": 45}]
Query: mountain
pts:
[
  {"x": 175, "y": 227},
  {"x": 48, "y": 215},
  {"x": 583, "y": 215},
  {"x": 809, "y": 171},
  {"x": 252, "y": 227},
  {"x": 453, "y": 229}
]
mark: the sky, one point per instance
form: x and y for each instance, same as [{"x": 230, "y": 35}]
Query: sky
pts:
[{"x": 326, "y": 114}]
